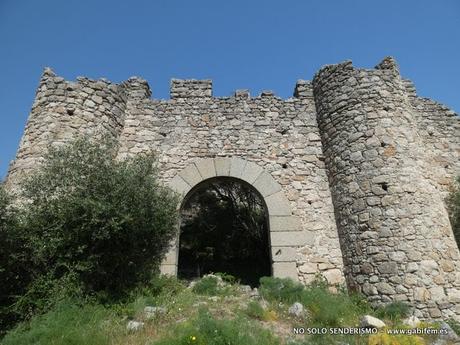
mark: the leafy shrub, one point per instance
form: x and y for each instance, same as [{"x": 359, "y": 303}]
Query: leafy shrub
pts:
[
  {"x": 278, "y": 289},
  {"x": 256, "y": 311},
  {"x": 66, "y": 324},
  {"x": 455, "y": 325},
  {"x": 207, "y": 330},
  {"x": 208, "y": 285},
  {"x": 15, "y": 265},
  {"x": 393, "y": 311},
  {"x": 164, "y": 284},
  {"x": 453, "y": 202},
  {"x": 228, "y": 278},
  {"x": 109, "y": 222},
  {"x": 46, "y": 291}
]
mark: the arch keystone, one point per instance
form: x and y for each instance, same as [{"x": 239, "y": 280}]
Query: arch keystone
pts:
[
  {"x": 237, "y": 166},
  {"x": 222, "y": 165}
]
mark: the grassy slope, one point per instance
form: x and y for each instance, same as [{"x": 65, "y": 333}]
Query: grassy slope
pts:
[{"x": 211, "y": 312}]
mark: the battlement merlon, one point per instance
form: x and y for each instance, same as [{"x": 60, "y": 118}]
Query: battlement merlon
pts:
[{"x": 190, "y": 88}]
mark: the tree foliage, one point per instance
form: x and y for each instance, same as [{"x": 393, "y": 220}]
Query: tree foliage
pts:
[
  {"x": 15, "y": 272},
  {"x": 84, "y": 225},
  {"x": 453, "y": 203},
  {"x": 108, "y": 221}
]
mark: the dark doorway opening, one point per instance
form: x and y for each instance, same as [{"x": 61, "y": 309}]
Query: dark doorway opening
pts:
[{"x": 224, "y": 228}]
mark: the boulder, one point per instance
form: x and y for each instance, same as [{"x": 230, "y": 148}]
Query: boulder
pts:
[
  {"x": 151, "y": 312},
  {"x": 371, "y": 322},
  {"x": 411, "y": 321},
  {"x": 296, "y": 309},
  {"x": 134, "y": 325},
  {"x": 448, "y": 334}
]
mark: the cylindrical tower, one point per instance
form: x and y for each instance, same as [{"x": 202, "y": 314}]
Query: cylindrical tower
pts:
[
  {"x": 395, "y": 234},
  {"x": 63, "y": 110}
]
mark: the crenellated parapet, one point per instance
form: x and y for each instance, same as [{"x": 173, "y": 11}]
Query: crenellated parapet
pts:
[{"x": 396, "y": 239}]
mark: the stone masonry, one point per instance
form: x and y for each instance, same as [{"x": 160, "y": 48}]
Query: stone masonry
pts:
[{"x": 354, "y": 168}]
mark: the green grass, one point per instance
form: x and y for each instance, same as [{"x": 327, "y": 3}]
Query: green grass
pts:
[
  {"x": 206, "y": 329},
  {"x": 67, "y": 324},
  {"x": 326, "y": 309}
]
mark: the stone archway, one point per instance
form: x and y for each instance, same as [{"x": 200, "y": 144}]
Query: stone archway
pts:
[{"x": 284, "y": 228}]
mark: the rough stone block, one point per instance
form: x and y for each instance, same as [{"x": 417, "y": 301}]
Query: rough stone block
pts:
[
  {"x": 266, "y": 184},
  {"x": 170, "y": 270},
  {"x": 251, "y": 172},
  {"x": 284, "y": 254},
  {"x": 191, "y": 175},
  {"x": 278, "y": 205},
  {"x": 291, "y": 238},
  {"x": 237, "y": 167},
  {"x": 285, "y": 223},
  {"x": 206, "y": 168},
  {"x": 222, "y": 166},
  {"x": 179, "y": 185},
  {"x": 285, "y": 270}
]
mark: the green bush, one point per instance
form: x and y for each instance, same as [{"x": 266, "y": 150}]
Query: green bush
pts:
[
  {"x": 15, "y": 265},
  {"x": 108, "y": 221},
  {"x": 208, "y": 285},
  {"x": 88, "y": 225},
  {"x": 453, "y": 203},
  {"x": 207, "y": 330},
  {"x": 285, "y": 290},
  {"x": 393, "y": 311},
  {"x": 66, "y": 324},
  {"x": 256, "y": 311}
]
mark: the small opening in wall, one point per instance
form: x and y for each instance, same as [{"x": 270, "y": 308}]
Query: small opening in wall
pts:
[
  {"x": 283, "y": 131},
  {"x": 309, "y": 202},
  {"x": 384, "y": 186},
  {"x": 163, "y": 134},
  {"x": 284, "y": 166},
  {"x": 383, "y": 144},
  {"x": 70, "y": 111},
  {"x": 446, "y": 166}
]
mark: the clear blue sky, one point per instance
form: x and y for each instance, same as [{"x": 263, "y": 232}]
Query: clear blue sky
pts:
[{"x": 239, "y": 44}]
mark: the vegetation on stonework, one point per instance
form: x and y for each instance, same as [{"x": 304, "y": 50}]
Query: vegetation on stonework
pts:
[
  {"x": 88, "y": 226},
  {"x": 453, "y": 203}
]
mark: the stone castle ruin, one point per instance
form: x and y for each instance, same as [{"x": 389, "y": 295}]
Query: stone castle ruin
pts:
[{"x": 353, "y": 169}]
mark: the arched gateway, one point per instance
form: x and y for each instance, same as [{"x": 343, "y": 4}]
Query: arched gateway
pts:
[
  {"x": 284, "y": 228},
  {"x": 353, "y": 168}
]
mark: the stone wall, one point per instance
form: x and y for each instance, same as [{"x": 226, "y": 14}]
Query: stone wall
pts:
[
  {"x": 280, "y": 136},
  {"x": 361, "y": 162}
]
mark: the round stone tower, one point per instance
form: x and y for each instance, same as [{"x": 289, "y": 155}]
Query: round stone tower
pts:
[{"x": 394, "y": 230}]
